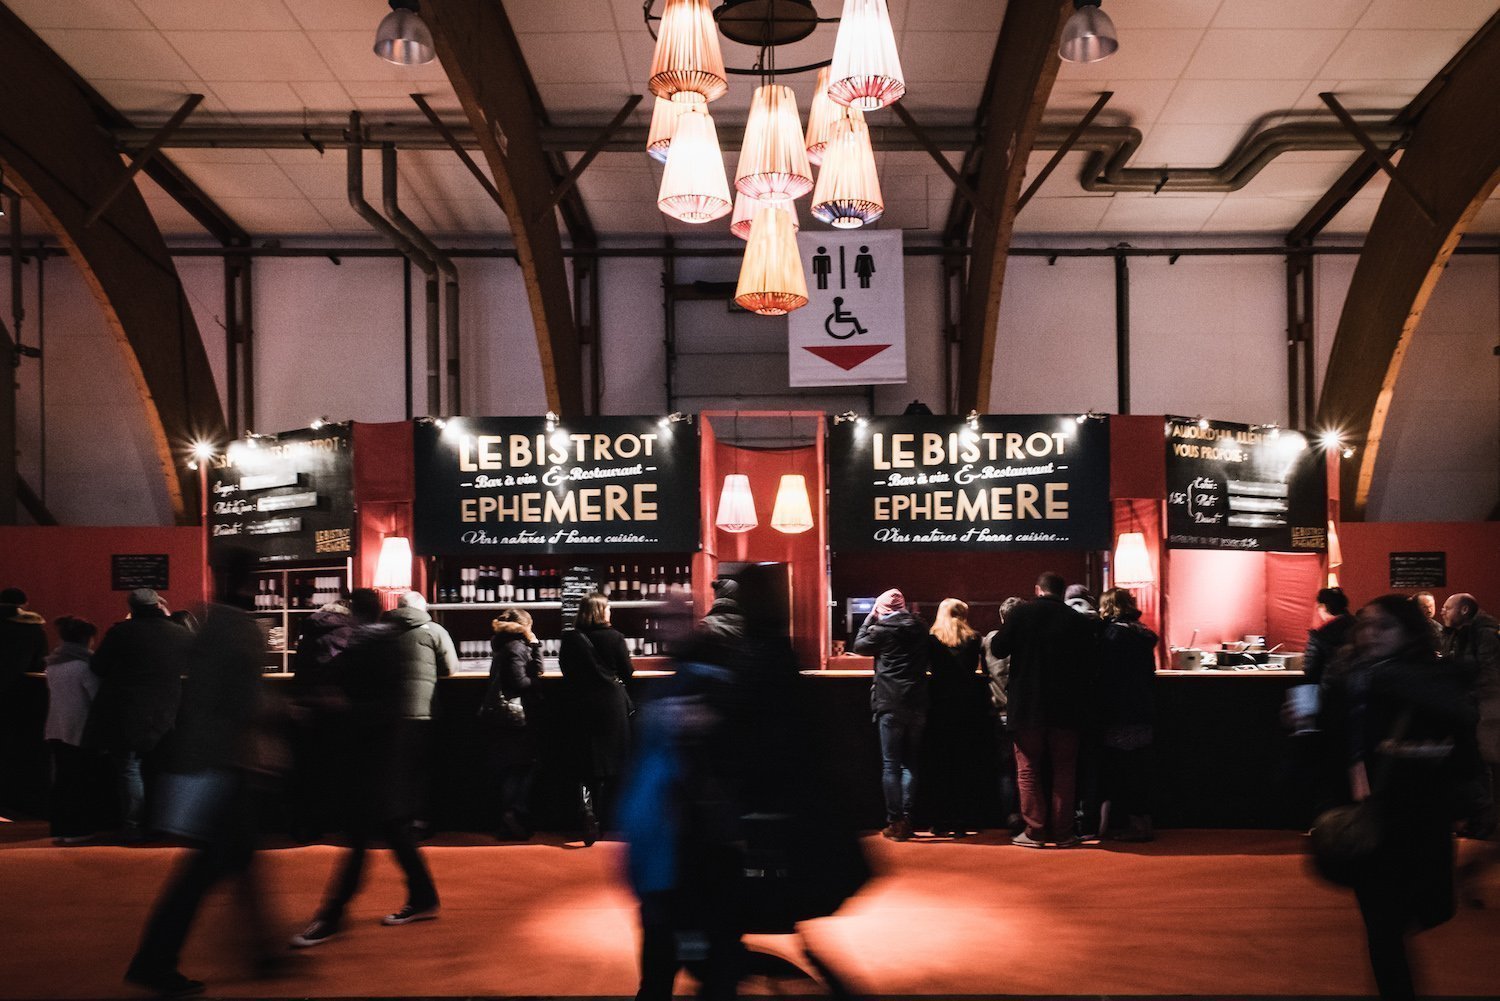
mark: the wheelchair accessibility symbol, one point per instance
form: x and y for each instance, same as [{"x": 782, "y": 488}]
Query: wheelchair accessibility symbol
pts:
[{"x": 841, "y": 325}]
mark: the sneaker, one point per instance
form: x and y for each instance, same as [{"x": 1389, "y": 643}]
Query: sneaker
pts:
[
  {"x": 1025, "y": 840},
  {"x": 409, "y": 913},
  {"x": 1071, "y": 841},
  {"x": 316, "y": 933},
  {"x": 164, "y": 983}
]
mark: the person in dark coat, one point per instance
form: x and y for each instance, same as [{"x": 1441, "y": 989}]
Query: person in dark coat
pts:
[
  {"x": 1334, "y": 629},
  {"x": 958, "y": 721},
  {"x": 596, "y": 668},
  {"x": 23, "y": 646},
  {"x": 515, "y": 664},
  {"x": 1051, "y": 691},
  {"x": 1315, "y": 749},
  {"x": 323, "y": 636},
  {"x": 140, "y": 664},
  {"x": 998, "y": 669},
  {"x": 898, "y": 641},
  {"x": 1471, "y": 642},
  {"x": 1127, "y": 676},
  {"x": 1408, "y": 721}
]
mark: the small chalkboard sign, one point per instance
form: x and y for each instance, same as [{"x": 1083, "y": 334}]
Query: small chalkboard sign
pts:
[
  {"x": 128, "y": 571},
  {"x": 1419, "y": 569},
  {"x": 577, "y": 583}
]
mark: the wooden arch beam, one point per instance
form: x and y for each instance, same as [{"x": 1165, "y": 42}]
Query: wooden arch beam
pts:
[
  {"x": 1024, "y": 68},
  {"x": 54, "y": 152},
  {"x": 483, "y": 61},
  {"x": 1453, "y": 163}
]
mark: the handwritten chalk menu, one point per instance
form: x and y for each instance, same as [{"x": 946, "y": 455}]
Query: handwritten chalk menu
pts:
[
  {"x": 288, "y": 499},
  {"x": 588, "y": 485},
  {"x": 1419, "y": 569},
  {"x": 1238, "y": 486},
  {"x": 128, "y": 571},
  {"x": 932, "y": 483},
  {"x": 577, "y": 583}
]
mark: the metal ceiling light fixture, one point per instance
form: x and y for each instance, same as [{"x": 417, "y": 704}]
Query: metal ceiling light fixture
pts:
[
  {"x": 773, "y": 160},
  {"x": 1089, "y": 35},
  {"x": 687, "y": 66},
  {"x": 848, "y": 192},
  {"x": 866, "y": 72},
  {"x": 744, "y": 214},
  {"x": 663, "y": 123},
  {"x": 694, "y": 187},
  {"x": 403, "y": 37},
  {"x": 771, "y": 279}
]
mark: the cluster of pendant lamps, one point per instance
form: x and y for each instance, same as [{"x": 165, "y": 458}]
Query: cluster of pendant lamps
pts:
[
  {"x": 792, "y": 514},
  {"x": 776, "y": 157}
]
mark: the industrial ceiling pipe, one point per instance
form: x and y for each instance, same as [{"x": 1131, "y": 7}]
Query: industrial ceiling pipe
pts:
[
  {"x": 354, "y": 145},
  {"x": 391, "y": 203}
]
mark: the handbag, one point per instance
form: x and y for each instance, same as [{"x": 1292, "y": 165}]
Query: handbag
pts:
[
  {"x": 506, "y": 711},
  {"x": 1346, "y": 842}
]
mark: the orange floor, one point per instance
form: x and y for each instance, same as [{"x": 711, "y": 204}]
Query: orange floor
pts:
[{"x": 1198, "y": 913}]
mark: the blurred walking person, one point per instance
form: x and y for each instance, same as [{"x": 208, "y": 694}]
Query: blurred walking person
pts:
[
  {"x": 71, "y": 687},
  {"x": 958, "y": 716},
  {"x": 596, "y": 667},
  {"x": 897, "y": 639},
  {"x": 509, "y": 712}
]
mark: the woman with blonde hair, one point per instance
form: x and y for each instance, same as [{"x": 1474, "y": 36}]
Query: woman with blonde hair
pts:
[
  {"x": 595, "y": 663},
  {"x": 957, "y": 718}
]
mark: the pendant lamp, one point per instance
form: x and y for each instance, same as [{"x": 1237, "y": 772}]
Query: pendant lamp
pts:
[
  {"x": 687, "y": 66},
  {"x": 1132, "y": 563},
  {"x": 1089, "y": 35},
  {"x": 663, "y": 124},
  {"x": 393, "y": 568},
  {"x": 771, "y": 280},
  {"x": 866, "y": 71},
  {"x": 1335, "y": 550},
  {"x": 736, "y": 505},
  {"x": 773, "y": 159},
  {"x": 744, "y": 214},
  {"x": 848, "y": 192},
  {"x": 694, "y": 187},
  {"x": 793, "y": 514},
  {"x": 821, "y": 117}
]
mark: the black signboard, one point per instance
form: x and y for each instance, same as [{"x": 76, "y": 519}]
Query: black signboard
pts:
[
  {"x": 1004, "y": 483},
  {"x": 590, "y": 485},
  {"x": 1419, "y": 569},
  {"x": 128, "y": 571},
  {"x": 577, "y": 583},
  {"x": 286, "y": 499},
  {"x": 1246, "y": 487}
]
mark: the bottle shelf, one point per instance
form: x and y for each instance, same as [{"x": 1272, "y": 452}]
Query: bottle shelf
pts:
[{"x": 459, "y": 606}]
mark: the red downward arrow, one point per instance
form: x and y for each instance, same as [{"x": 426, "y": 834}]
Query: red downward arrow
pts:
[{"x": 848, "y": 356}]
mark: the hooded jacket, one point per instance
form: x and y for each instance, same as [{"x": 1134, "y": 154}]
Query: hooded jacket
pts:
[
  {"x": 324, "y": 636},
  {"x": 425, "y": 653},
  {"x": 898, "y": 643},
  {"x": 23, "y": 644}
]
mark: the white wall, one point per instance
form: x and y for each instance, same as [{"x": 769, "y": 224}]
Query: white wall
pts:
[{"x": 1208, "y": 336}]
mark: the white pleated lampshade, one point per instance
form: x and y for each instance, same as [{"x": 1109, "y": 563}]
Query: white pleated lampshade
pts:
[
  {"x": 694, "y": 187},
  {"x": 771, "y": 280},
  {"x": 687, "y": 65},
  {"x": 793, "y": 513},
  {"x": 744, "y": 214},
  {"x": 773, "y": 159},
  {"x": 848, "y": 192},
  {"x": 736, "y": 505},
  {"x": 821, "y": 116},
  {"x": 393, "y": 567},
  {"x": 866, "y": 71},
  {"x": 663, "y": 124},
  {"x": 1132, "y": 561}
]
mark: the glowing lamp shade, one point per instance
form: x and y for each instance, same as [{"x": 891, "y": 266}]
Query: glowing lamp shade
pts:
[
  {"x": 694, "y": 187},
  {"x": 736, "y": 505},
  {"x": 744, "y": 214},
  {"x": 393, "y": 569},
  {"x": 866, "y": 71},
  {"x": 403, "y": 37},
  {"x": 848, "y": 192},
  {"x": 793, "y": 513},
  {"x": 1335, "y": 551},
  {"x": 773, "y": 159},
  {"x": 687, "y": 66},
  {"x": 663, "y": 123},
  {"x": 771, "y": 280},
  {"x": 821, "y": 117},
  {"x": 1132, "y": 562}
]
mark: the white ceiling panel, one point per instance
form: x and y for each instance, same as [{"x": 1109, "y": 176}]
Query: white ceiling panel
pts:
[
  {"x": 1341, "y": 14},
  {"x": 1249, "y": 54},
  {"x": 1355, "y": 217},
  {"x": 106, "y": 14},
  {"x": 1062, "y": 215},
  {"x": 250, "y": 55},
  {"x": 1147, "y": 54},
  {"x": 1239, "y": 214},
  {"x": 1393, "y": 55},
  {"x": 1383, "y": 97},
  {"x": 321, "y": 96},
  {"x": 949, "y": 15},
  {"x": 288, "y": 216},
  {"x": 216, "y": 15},
  {"x": 1135, "y": 102},
  {"x": 558, "y": 15},
  {"x": 907, "y": 215},
  {"x": 1158, "y": 214},
  {"x": 1301, "y": 182},
  {"x": 242, "y": 180},
  {"x": 1228, "y": 102},
  {"x": 1063, "y": 183},
  {"x": 1463, "y": 15},
  {"x": 336, "y": 15},
  {"x": 944, "y": 56},
  {"x": 1187, "y": 145},
  {"x": 269, "y": 99},
  {"x": 348, "y": 54},
  {"x": 146, "y": 102},
  {"x": 117, "y": 55},
  {"x": 575, "y": 57},
  {"x": 1130, "y": 15}
]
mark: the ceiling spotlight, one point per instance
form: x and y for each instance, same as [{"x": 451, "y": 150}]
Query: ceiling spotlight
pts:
[
  {"x": 1348, "y": 452},
  {"x": 1330, "y": 439},
  {"x": 203, "y": 451},
  {"x": 1203, "y": 423},
  {"x": 972, "y": 420},
  {"x": 403, "y": 37},
  {"x": 318, "y": 422},
  {"x": 1089, "y": 35}
]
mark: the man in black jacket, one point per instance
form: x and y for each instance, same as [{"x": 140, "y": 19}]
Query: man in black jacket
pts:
[
  {"x": 23, "y": 645},
  {"x": 1052, "y": 664},
  {"x": 897, "y": 640}
]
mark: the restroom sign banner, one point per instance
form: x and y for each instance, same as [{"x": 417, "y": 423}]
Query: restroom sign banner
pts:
[{"x": 852, "y": 332}]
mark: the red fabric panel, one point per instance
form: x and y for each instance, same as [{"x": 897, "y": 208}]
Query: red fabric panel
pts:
[
  {"x": 384, "y": 485},
  {"x": 1473, "y": 550},
  {"x": 1137, "y": 456},
  {"x": 1145, "y": 516},
  {"x": 1292, "y": 583},
  {"x": 65, "y": 570},
  {"x": 1218, "y": 593}
]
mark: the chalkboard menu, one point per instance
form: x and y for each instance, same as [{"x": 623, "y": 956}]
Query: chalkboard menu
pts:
[
  {"x": 590, "y": 485},
  {"x": 1238, "y": 486},
  {"x": 577, "y": 583},
  {"x": 285, "y": 499},
  {"x": 1004, "y": 483},
  {"x": 1419, "y": 569},
  {"x": 128, "y": 571}
]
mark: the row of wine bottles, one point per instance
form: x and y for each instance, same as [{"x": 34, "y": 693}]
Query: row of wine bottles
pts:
[
  {"x": 650, "y": 643},
  {"x": 491, "y": 584},
  {"x": 301, "y": 592}
]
